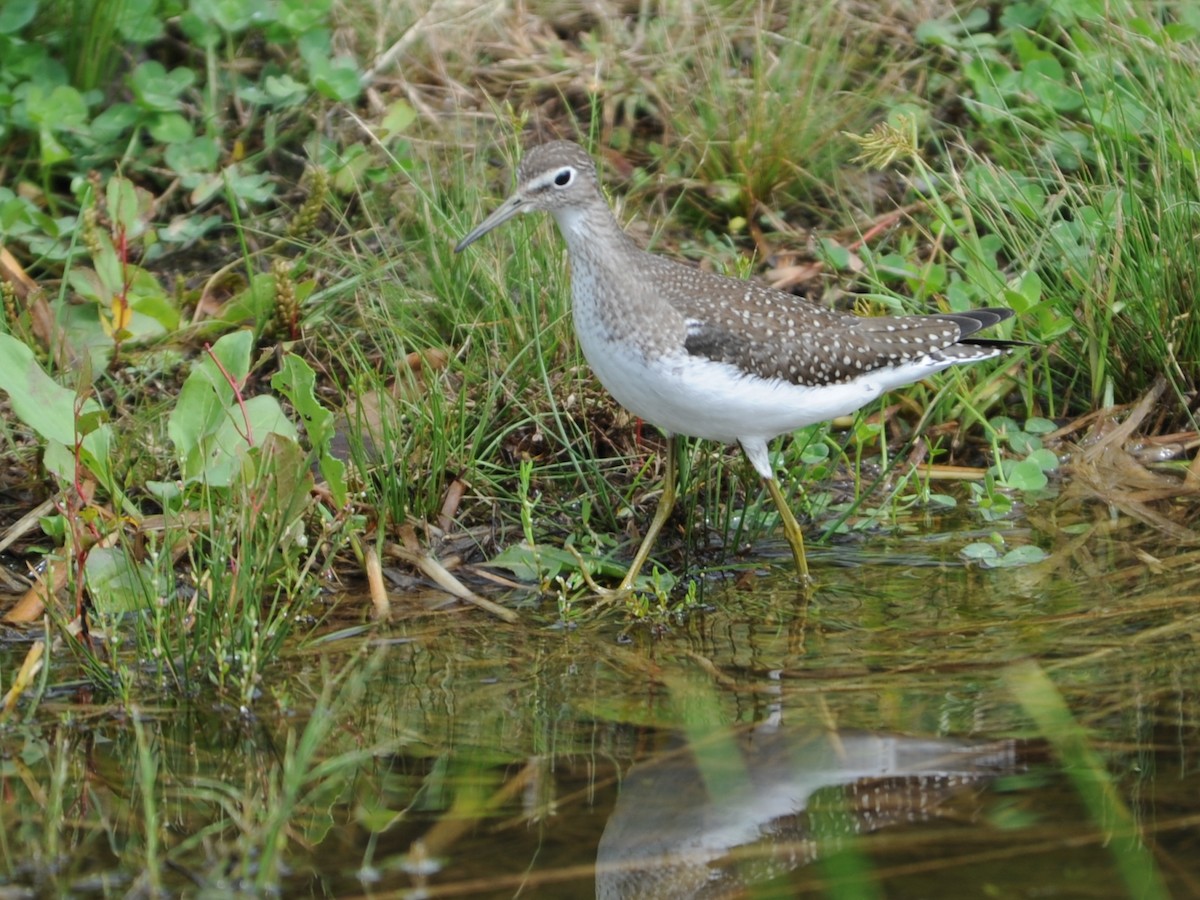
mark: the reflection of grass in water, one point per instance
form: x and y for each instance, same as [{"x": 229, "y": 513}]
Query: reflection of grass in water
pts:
[{"x": 1045, "y": 705}]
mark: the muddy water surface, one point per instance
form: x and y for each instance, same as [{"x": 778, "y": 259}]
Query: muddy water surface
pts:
[{"x": 917, "y": 729}]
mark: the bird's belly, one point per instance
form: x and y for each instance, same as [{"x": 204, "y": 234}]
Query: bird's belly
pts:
[{"x": 701, "y": 398}]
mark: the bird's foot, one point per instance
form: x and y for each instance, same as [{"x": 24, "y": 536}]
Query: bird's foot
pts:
[{"x": 608, "y": 595}]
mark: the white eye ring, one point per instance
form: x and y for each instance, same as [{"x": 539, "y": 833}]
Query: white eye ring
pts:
[{"x": 564, "y": 177}]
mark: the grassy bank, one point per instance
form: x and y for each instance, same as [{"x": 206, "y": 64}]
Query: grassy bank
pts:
[{"x": 242, "y": 361}]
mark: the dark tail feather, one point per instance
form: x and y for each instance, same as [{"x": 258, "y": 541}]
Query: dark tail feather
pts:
[
  {"x": 998, "y": 343},
  {"x": 974, "y": 349},
  {"x": 977, "y": 319}
]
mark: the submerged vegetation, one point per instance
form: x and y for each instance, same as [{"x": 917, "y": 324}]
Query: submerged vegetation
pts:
[{"x": 241, "y": 367}]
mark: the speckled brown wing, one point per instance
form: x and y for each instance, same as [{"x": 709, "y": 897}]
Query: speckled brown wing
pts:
[{"x": 777, "y": 335}]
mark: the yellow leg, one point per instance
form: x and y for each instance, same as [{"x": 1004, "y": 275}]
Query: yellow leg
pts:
[
  {"x": 665, "y": 504},
  {"x": 791, "y": 528}
]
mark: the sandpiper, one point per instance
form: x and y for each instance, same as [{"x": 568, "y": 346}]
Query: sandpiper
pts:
[{"x": 708, "y": 356}]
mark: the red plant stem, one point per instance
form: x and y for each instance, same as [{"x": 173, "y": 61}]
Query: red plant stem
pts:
[{"x": 248, "y": 435}]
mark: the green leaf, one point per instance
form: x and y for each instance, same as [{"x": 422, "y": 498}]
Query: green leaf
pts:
[
  {"x": 62, "y": 109},
  {"x": 1026, "y": 475},
  {"x": 1004, "y": 425},
  {"x": 814, "y": 453},
  {"x": 114, "y": 122},
  {"x": 266, "y": 421},
  {"x": 16, "y": 14},
  {"x": 399, "y": 116},
  {"x": 85, "y": 334},
  {"x": 1046, "y": 80},
  {"x": 249, "y": 187},
  {"x": 138, "y": 21},
  {"x": 1024, "y": 293},
  {"x": 50, "y": 409},
  {"x": 185, "y": 229},
  {"x": 297, "y": 381},
  {"x": 950, "y": 30},
  {"x": 299, "y": 16},
  {"x": 1022, "y": 443},
  {"x": 130, "y": 207},
  {"x": 206, "y": 393},
  {"x": 835, "y": 254},
  {"x": 33, "y": 62},
  {"x": 118, "y": 584},
  {"x": 533, "y": 563},
  {"x": 338, "y": 79},
  {"x": 211, "y": 431},
  {"x": 171, "y": 128},
  {"x": 284, "y": 90},
  {"x": 198, "y": 154},
  {"x": 51, "y": 149},
  {"x": 37, "y": 399},
  {"x": 158, "y": 308},
  {"x": 935, "y": 33},
  {"x": 1022, "y": 15},
  {"x": 232, "y": 16},
  {"x": 979, "y": 551},
  {"x": 218, "y": 456},
  {"x": 1025, "y": 555},
  {"x": 988, "y": 556},
  {"x": 157, "y": 89},
  {"x": 1044, "y": 459}
]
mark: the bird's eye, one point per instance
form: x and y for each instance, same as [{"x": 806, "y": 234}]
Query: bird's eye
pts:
[{"x": 563, "y": 178}]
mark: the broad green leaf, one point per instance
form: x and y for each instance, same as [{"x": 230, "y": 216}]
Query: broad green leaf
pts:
[
  {"x": 1025, "y": 555},
  {"x": 989, "y": 556},
  {"x": 113, "y": 122},
  {"x": 1038, "y": 425},
  {"x": 284, "y": 90},
  {"x": 300, "y": 16},
  {"x": 1023, "y": 443},
  {"x": 16, "y": 14},
  {"x": 152, "y": 310},
  {"x": 232, "y": 16},
  {"x": 399, "y": 116},
  {"x": 205, "y": 396},
  {"x": 217, "y": 457},
  {"x": 118, "y": 584},
  {"x": 157, "y": 89},
  {"x": 530, "y": 564},
  {"x": 211, "y": 431},
  {"x": 138, "y": 21},
  {"x": 1022, "y": 15},
  {"x": 37, "y": 399},
  {"x": 1044, "y": 459},
  {"x": 198, "y": 154},
  {"x": 277, "y": 475},
  {"x": 337, "y": 79},
  {"x": 51, "y": 150},
  {"x": 835, "y": 254},
  {"x": 979, "y": 551},
  {"x": 1025, "y": 475},
  {"x": 62, "y": 109},
  {"x": 1025, "y": 292},
  {"x": 129, "y": 207},
  {"x": 171, "y": 128}
]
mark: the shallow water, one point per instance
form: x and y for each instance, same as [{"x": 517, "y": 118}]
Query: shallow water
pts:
[{"x": 897, "y": 733}]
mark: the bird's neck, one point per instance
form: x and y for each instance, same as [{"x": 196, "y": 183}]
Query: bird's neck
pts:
[
  {"x": 615, "y": 311},
  {"x": 593, "y": 235}
]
